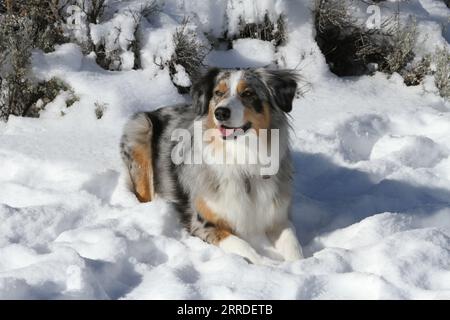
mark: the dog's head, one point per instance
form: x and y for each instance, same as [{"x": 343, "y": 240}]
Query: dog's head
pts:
[{"x": 238, "y": 100}]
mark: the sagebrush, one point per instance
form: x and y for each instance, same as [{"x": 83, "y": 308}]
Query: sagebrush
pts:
[
  {"x": 442, "y": 72},
  {"x": 24, "y": 26},
  {"x": 351, "y": 49},
  {"x": 189, "y": 54}
]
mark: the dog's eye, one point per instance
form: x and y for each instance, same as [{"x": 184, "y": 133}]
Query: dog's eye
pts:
[
  {"x": 218, "y": 93},
  {"x": 247, "y": 93}
]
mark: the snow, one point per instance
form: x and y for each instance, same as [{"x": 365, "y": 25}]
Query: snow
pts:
[
  {"x": 243, "y": 55},
  {"x": 251, "y": 12},
  {"x": 372, "y": 184},
  {"x": 181, "y": 77},
  {"x": 208, "y": 15}
]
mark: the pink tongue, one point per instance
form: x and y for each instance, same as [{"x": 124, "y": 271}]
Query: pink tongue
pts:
[{"x": 226, "y": 132}]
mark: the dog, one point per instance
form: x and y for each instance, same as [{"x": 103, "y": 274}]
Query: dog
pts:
[{"x": 231, "y": 205}]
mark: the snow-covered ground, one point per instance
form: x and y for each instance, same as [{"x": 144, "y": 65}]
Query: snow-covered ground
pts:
[{"x": 372, "y": 183}]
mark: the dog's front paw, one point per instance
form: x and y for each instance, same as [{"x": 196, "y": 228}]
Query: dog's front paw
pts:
[
  {"x": 233, "y": 244},
  {"x": 286, "y": 243},
  {"x": 290, "y": 249},
  {"x": 293, "y": 253}
]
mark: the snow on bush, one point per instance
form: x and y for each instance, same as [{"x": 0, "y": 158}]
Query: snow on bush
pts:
[
  {"x": 266, "y": 30},
  {"x": 260, "y": 14},
  {"x": 187, "y": 58},
  {"x": 351, "y": 48},
  {"x": 15, "y": 54},
  {"x": 394, "y": 46},
  {"x": 442, "y": 75},
  {"x": 24, "y": 26},
  {"x": 116, "y": 41}
]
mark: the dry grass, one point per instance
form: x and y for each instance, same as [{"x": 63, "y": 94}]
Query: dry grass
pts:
[
  {"x": 267, "y": 30},
  {"x": 24, "y": 26},
  {"x": 16, "y": 91},
  {"x": 401, "y": 46},
  {"x": 350, "y": 49},
  {"x": 415, "y": 72},
  {"x": 100, "y": 109},
  {"x": 442, "y": 73}
]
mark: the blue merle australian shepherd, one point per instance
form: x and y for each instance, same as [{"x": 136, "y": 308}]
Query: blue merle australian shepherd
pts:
[{"x": 234, "y": 206}]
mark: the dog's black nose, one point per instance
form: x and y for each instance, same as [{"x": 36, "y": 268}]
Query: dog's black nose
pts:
[{"x": 222, "y": 114}]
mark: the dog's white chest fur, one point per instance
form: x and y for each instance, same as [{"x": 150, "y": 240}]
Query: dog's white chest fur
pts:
[{"x": 247, "y": 204}]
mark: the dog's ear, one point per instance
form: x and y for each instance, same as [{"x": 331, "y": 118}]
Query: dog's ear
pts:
[
  {"x": 282, "y": 87},
  {"x": 202, "y": 91}
]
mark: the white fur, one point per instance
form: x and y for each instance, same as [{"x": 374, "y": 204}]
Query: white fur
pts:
[
  {"x": 233, "y": 102},
  {"x": 250, "y": 215},
  {"x": 286, "y": 243},
  {"x": 233, "y": 244},
  {"x": 257, "y": 214}
]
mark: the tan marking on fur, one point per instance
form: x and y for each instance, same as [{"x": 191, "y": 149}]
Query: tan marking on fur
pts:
[
  {"x": 205, "y": 211},
  {"x": 210, "y": 119},
  {"x": 9, "y": 6},
  {"x": 258, "y": 120},
  {"x": 222, "y": 228},
  {"x": 242, "y": 86},
  {"x": 221, "y": 234},
  {"x": 222, "y": 86},
  {"x": 143, "y": 176}
]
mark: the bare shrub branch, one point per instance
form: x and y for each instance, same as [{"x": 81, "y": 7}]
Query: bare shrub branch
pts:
[
  {"x": 351, "y": 49},
  {"x": 189, "y": 52},
  {"x": 442, "y": 73},
  {"x": 24, "y": 26},
  {"x": 266, "y": 30}
]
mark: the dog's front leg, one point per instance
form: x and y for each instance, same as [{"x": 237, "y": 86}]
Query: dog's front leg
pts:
[
  {"x": 285, "y": 241},
  {"x": 206, "y": 225}
]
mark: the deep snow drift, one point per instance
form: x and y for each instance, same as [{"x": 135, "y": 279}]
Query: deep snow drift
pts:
[{"x": 372, "y": 184}]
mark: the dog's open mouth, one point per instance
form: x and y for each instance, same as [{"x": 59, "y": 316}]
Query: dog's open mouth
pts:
[{"x": 230, "y": 132}]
